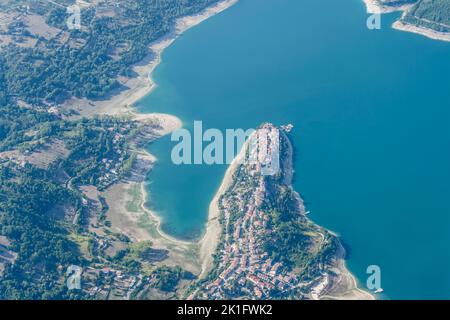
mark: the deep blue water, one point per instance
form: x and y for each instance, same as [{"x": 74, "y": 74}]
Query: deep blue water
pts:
[{"x": 371, "y": 111}]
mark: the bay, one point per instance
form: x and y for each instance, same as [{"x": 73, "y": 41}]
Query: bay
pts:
[{"x": 371, "y": 116}]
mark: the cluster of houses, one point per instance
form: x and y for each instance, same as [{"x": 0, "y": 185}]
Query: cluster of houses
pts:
[
  {"x": 243, "y": 263},
  {"x": 111, "y": 168},
  {"x": 245, "y": 269},
  {"x": 108, "y": 283}
]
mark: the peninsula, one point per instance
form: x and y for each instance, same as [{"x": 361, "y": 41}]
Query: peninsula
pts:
[
  {"x": 427, "y": 18},
  {"x": 264, "y": 244}
]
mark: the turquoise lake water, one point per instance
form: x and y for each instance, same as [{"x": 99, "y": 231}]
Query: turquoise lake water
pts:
[{"x": 371, "y": 111}]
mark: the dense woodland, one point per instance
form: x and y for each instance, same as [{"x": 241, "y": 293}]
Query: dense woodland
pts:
[
  {"x": 434, "y": 14},
  {"x": 295, "y": 240},
  {"x": 27, "y": 196}
]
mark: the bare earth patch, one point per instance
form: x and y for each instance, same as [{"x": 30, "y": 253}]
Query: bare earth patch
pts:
[
  {"x": 41, "y": 158},
  {"x": 37, "y": 26}
]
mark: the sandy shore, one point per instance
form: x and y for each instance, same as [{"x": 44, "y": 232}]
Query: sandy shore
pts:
[
  {"x": 168, "y": 122},
  {"x": 429, "y": 33},
  {"x": 133, "y": 89},
  {"x": 211, "y": 238},
  {"x": 347, "y": 287}
]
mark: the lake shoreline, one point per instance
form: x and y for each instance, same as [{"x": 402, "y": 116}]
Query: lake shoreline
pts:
[
  {"x": 142, "y": 86},
  {"x": 121, "y": 103},
  {"x": 209, "y": 241},
  {"x": 429, "y": 33},
  {"x": 375, "y": 7},
  {"x": 182, "y": 25}
]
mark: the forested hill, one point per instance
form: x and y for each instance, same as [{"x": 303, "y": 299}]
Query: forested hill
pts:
[{"x": 432, "y": 14}]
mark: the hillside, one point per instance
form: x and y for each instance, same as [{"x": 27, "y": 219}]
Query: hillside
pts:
[{"x": 434, "y": 14}]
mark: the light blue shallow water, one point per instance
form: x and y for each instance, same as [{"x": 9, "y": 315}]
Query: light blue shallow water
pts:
[{"x": 371, "y": 115}]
